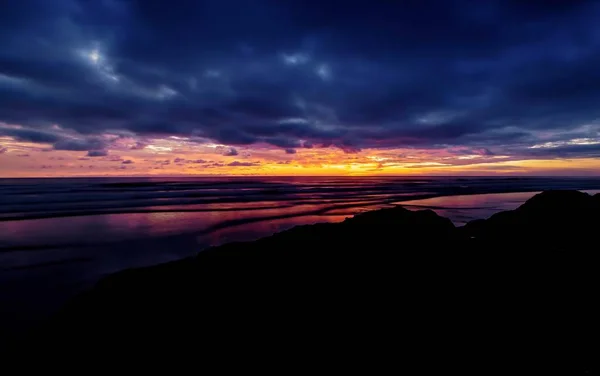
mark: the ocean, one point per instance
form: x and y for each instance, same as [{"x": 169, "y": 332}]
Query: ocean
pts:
[{"x": 60, "y": 236}]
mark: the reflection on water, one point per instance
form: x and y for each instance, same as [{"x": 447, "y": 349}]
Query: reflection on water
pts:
[
  {"x": 94, "y": 229},
  {"x": 59, "y": 236},
  {"x": 250, "y": 231},
  {"x": 464, "y": 208}
]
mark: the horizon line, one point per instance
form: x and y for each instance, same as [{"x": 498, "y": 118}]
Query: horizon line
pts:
[{"x": 296, "y": 176}]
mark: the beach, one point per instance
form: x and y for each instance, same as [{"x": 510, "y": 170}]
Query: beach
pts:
[{"x": 58, "y": 237}]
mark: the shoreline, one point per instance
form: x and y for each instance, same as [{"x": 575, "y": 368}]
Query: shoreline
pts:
[
  {"x": 310, "y": 279},
  {"x": 179, "y": 241}
]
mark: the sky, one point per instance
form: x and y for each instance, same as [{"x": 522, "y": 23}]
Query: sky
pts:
[{"x": 295, "y": 87}]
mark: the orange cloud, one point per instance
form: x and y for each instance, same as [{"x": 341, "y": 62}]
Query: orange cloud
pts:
[{"x": 179, "y": 156}]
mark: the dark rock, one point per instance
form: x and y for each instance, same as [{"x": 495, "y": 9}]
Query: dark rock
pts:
[
  {"x": 389, "y": 286},
  {"x": 552, "y": 220}
]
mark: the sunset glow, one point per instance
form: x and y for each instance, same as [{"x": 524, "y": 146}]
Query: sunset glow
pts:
[
  {"x": 273, "y": 88},
  {"x": 128, "y": 156}
]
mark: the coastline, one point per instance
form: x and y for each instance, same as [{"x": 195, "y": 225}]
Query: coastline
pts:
[
  {"x": 259, "y": 288},
  {"x": 183, "y": 247}
]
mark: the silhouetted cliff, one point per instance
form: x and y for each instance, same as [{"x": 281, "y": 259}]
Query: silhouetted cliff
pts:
[
  {"x": 516, "y": 292},
  {"x": 550, "y": 220}
]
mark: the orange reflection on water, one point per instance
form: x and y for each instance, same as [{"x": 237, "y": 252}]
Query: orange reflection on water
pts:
[
  {"x": 160, "y": 221},
  {"x": 255, "y": 230}
]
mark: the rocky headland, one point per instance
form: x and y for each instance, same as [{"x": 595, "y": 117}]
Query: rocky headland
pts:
[{"x": 516, "y": 292}]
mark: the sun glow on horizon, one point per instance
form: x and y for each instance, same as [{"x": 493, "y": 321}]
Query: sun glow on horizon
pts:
[{"x": 176, "y": 155}]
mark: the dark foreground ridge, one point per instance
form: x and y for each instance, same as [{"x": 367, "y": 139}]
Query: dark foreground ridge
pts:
[{"x": 516, "y": 292}]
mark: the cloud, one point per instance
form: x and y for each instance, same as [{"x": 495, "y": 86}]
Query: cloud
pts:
[
  {"x": 295, "y": 58},
  {"x": 97, "y": 153},
  {"x": 567, "y": 151},
  {"x": 231, "y": 152},
  {"x": 394, "y": 74},
  {"x": 79, "y": 144},
  {"x": 349, "y": 149},
  {"x": 3, "y": 150},
  {"x": 128, "y": 161},
  {"x": 138, "y": 146},
  {"x": 242, "y": 164},
  {"x": 290, "y": 151},
  {"x": 30, "y": 135},
  {"x": 283, "y": 142},
  {"x": 60, "y": 139},
  {"x": 469, "y": 151}
]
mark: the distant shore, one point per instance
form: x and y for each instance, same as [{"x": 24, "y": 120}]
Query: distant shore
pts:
[
  {"x": 372, "y": 270},
  {"x": 45, "y": 262}
]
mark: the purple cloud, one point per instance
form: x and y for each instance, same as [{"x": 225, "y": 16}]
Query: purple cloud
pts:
[
  {"x": 97, "y": 153},
  {"x": 242, "y": 164},
  {"x": 138, "y": 146}
]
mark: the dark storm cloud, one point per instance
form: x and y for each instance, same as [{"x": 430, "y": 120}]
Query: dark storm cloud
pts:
[
  {"x": 97, "y": 153},
  {"x": 567, "y": 151},
  {"x": 60, "y": 141},
  {"x": 231, "y": 152},
  {"x": 284, "y": 142},
  {"x": 79, "y": 144},
  {"x": 353, "y": 74},
  {"x": 30, "y": 135}
]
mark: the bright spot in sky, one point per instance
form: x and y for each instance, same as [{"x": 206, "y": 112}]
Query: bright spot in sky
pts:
[
  {"x": 11, "y": 80},
  {"x": 94, "y": 56},
  {"x": 424, "y": 164},
  {"x": 158, "y": 148},
  {"x": 211, "y": 145},
  {"x": 377, "y": 159},
  {"x": 324, "y": 71},
  {"x": 293, "y": 120},
  {"x": 436, "y": 117},
  {"x": 295, "y": 59},
  {"x": 165, "y": 92},
  {"x": 575, "y": 141}
]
